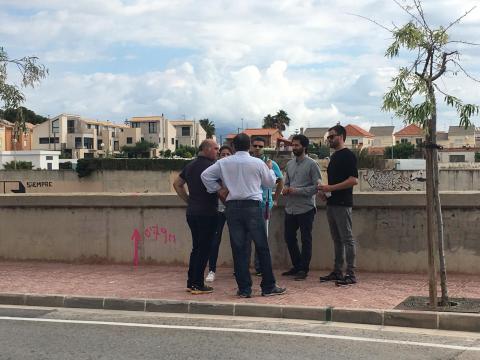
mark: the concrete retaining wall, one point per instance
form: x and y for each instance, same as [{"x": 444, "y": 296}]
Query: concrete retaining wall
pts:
[
  {"x": 389, "y": 227},
  {"x": 162, "y": 181}
]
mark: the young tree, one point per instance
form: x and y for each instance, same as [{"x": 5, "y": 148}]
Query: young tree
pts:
[
  {"x": 413, "y": 98},
  {"x": 11, "y": 95}
]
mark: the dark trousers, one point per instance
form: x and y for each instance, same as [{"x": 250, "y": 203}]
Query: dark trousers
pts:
[
  {"x": 203, "y": 230},
  {"x": 245, "y": 222},
  {"x": 300, "y": 259},
  {"x": 217, "y": 239},
  {"x": 340, "y": 223}
]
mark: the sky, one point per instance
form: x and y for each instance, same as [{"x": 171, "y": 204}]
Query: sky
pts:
[{"x": 231, "y": 62}]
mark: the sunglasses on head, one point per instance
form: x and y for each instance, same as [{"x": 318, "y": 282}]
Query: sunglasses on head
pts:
[{"x": 258, "y": 146}]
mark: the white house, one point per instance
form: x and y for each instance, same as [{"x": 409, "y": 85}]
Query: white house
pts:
[{"x": 40, "y": 159}]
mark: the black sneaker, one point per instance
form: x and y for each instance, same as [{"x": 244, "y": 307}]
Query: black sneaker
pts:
[
  {"x": 300, "y": 276},
  {"x": 198, "y": 290},
  {"x": 290, "y": 272},
  {"x": 333, "y": 276},
  {"x": 347, "y": 280},
  {"x": 244, "y": 295},
  {"x": 275, "y": 291}
]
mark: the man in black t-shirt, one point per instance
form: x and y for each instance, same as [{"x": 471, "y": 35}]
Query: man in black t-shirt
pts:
[
  {"x": 342, "y": 177},
  {"x": 201, "y": 214}
]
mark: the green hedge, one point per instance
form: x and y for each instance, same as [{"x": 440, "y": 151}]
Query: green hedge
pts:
[{"x": 86, "y": 166}]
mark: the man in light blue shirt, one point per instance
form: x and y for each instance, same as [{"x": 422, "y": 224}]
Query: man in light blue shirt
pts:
[
  {"x": 243, "y": 177},
  {"x": 269, "y": 199}
]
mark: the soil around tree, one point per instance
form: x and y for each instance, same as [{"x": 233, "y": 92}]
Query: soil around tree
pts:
[{"x": 421, "y": 303}]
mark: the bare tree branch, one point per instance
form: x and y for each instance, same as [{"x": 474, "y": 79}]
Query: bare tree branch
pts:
[
  {"x": 372, "y": 21},
  {"x": 443, "y": 66},
  {"x": 465, "y": 71},
  {"x": 422, "y": 22},
  {"x": 463, "y": 42},
  {"x": 459, "y": 19}
]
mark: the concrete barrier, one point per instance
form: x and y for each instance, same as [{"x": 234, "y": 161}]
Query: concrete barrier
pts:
[{"x": 389, "y": 228}]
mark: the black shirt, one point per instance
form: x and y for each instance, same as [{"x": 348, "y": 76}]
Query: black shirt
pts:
[
  {"x": 200, "y": 202},
  {"x": 343, "y": 164}
]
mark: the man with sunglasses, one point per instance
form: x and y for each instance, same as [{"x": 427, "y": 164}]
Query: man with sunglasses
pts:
[
  {"x": 342, "y": 177},
  {"x": 269, "y": 199}
]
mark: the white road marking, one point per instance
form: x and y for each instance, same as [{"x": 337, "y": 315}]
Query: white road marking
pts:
[{"x": 248, "y": 331}]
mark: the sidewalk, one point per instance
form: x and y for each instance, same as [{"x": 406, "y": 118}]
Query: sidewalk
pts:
[{"x": 374, "y": 290}]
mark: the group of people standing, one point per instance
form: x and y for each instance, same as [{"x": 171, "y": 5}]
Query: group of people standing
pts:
[{"x": 242, "y": 187}]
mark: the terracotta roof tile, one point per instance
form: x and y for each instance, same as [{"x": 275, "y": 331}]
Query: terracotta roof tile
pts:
[
  {"x": 354, "y": 130},
  {"x": 410, "y": 130}
]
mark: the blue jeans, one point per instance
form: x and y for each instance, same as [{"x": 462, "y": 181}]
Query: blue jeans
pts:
[
  {"x": 217, "y": 239},
  {"x": 203, "y": 230},
  {"x": 246, "y": 223}
]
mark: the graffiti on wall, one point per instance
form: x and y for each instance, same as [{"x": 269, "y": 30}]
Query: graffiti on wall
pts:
[
  {"x": 151, "y": 233},
  {"x": 12, "y": 186},
  {"x": 391, "y": 180}
]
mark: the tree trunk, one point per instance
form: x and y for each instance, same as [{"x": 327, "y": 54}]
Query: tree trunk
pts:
[
  {"x": 432, "y": 269},
  {"x": 438, "y": 205}
]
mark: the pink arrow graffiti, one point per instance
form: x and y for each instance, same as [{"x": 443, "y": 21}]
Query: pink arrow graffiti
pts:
[{"x": 136, "y": 237}]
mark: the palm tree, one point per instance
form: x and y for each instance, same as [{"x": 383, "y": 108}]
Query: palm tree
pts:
[
  {"x": 209, "y": 127},
  {"x": 269, "y": 122},
  {"x": 281, "y": 120}
]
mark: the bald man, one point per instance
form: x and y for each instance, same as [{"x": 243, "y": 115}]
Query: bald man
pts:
[{"x": 201, "y": 214}]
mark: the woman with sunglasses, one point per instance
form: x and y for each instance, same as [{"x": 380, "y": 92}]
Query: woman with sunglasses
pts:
[{"x": 224, "y": 151}]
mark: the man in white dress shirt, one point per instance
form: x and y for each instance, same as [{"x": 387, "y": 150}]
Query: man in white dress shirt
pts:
[{"x": 242, "y": 177}]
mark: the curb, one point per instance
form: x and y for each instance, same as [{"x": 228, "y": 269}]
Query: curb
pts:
[{"x": 403, "y": 318}]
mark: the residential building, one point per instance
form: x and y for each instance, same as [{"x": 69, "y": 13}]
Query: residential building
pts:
[
  {"x": 2, "y": 137},
  {"x": 456, "y": 155},
  {"x": 358, "y": 138},
  {"x": 22, "y": 142},
  {"x": 270, "y": 135},
  {"x": 130, "y": 137},
  {"x": 411, "y": 134},
  {"x": 317, "y": 135},
  {"x": 187, "y": 132},
  {"x": 383, "y": 136},
  {"x": 77, "y": 137},
  {"x": 459, "y": 137},
  {"x": 442, "y": 139},
  {"x": 156, "y": 130},
  {"x": 40, "y": 159}
]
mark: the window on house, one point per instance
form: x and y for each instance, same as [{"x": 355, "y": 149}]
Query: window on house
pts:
[
  {"x": 113, "y": 134},
  {"x": 419, "y": 142},
  {"x": 70, "y": 126},
  {"x": 457, "y": 158},
  {"x": 49, "y": 157},
  {"x": 55, "y": 126},
  {"x": 89, "y": 126},
  {"x": 135, "y": 125},
  {"x": 129, "y": 140},
  {"x": 354, "y": 142},
  {"x": 46, "y": 140},
  {"x": 116, "y": 147},
  {"x": 78, "y": 143},
  {"x": 99, "y": 144},
  {"x": 173, "y": 141},
  {"x": 142, "y": 139},
  {"x": 185, "y": 130},
  {"x": 152, "y": 127},
  {"x": 88, "y": 143},
  {"x": 404, "y": 141}
]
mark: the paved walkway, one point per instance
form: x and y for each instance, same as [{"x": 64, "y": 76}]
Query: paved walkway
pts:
[{"x": 374, "y": 290}]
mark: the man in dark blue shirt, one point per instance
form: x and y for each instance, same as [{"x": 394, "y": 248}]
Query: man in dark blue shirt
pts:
[
  {"x": 201, "y": 214},
  {"x": 342, "y": 177}
]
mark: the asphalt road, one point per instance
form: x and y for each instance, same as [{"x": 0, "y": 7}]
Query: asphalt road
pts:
[{"x": 46, "y": 333}]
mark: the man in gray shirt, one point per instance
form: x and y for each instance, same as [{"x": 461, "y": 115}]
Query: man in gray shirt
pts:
[{"x": 301, "y": 178}]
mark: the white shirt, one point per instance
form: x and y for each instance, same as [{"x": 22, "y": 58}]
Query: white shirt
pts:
[{"x": 243, "y": 175}]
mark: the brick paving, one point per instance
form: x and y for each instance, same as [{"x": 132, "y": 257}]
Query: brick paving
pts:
[{"x": 374, "y": 290}]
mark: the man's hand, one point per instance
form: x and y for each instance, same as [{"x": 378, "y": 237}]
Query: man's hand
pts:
[
  {"x": 325, "y": 188},
  {"x": 222, "y": 194},
  {"x": 269, "y": 164},
  {"x": 322, "y": 196},
  {"x": 288, "y": 191}
]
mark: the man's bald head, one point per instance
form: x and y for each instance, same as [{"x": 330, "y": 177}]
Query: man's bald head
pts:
[{"x": 209, "y": 149}]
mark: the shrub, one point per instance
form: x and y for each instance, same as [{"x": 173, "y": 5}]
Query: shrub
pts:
[
  {"x": 65, "y": 166},
  {"x": 18, "y": 165},
  {"x": 86, "y": 166}
]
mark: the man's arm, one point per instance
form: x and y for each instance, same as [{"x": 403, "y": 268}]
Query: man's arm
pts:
[
  {"x": 310, "y": 190},
  {"x": 346, "y": 184},
  {"x": 278, "y": 191},
  {"x": 267, "y": 175},
  {"x": 210, "y": 177},
  {"x": 179, "y": 186}
]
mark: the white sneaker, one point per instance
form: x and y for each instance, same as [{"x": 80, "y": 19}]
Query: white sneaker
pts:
[{"x": 210, "y": 277}]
